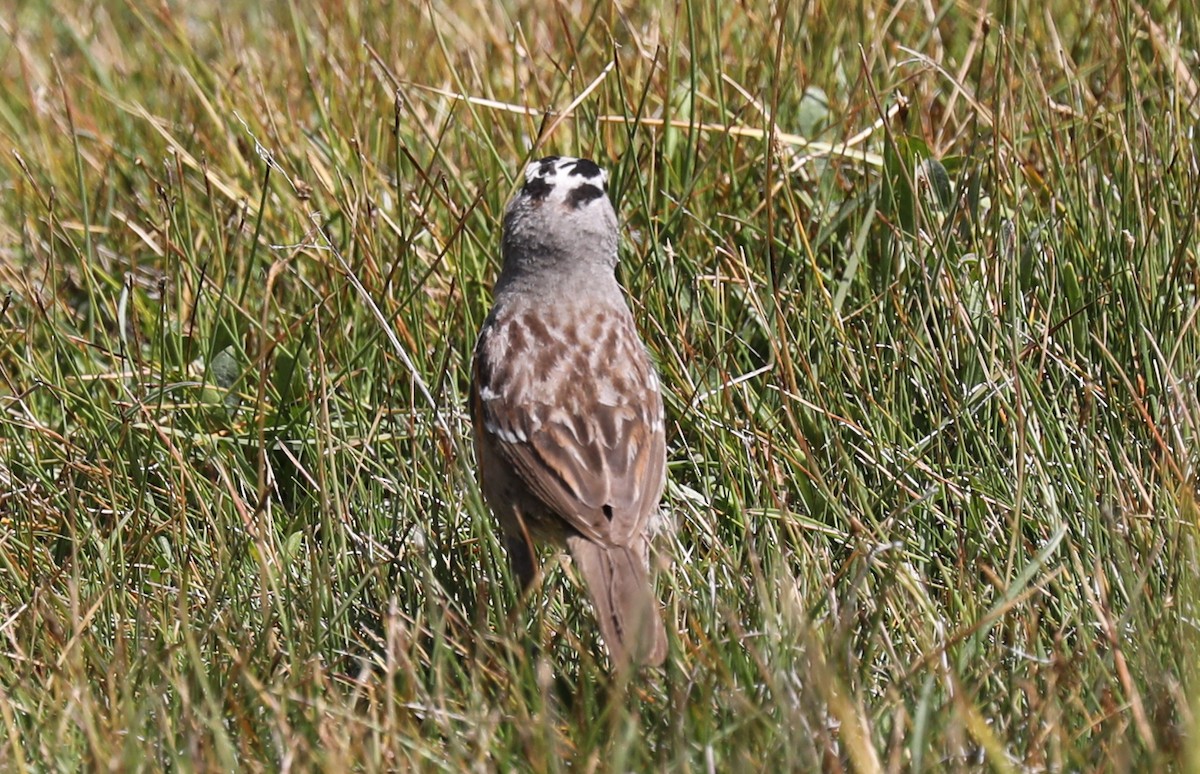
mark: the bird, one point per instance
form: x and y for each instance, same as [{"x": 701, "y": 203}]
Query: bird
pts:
[{"x": 566, "y": 407}]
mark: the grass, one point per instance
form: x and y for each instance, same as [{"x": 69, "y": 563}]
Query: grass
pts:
[{"x": 932, "y": 409}]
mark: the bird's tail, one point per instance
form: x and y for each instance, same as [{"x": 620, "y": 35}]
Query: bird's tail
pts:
[{"x": 618, "y": 583}]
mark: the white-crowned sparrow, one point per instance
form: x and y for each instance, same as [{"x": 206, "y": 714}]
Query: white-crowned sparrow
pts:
[{"x": 566, "y": 408}]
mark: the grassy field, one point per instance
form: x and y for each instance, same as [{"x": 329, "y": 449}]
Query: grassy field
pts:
[{"x": 922, "y": 283}]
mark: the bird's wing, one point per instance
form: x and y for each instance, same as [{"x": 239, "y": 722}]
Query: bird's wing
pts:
[{"x": 573, "y": 406}]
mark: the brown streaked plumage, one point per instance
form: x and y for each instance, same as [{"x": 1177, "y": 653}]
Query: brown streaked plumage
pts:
[{"x": 566, "y": 408}]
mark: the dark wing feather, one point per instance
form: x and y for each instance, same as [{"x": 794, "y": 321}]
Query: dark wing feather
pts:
[{"x": 580, "y": 422}]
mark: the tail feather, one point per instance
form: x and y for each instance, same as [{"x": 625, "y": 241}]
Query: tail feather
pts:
[{"x": 618, "y": 583}]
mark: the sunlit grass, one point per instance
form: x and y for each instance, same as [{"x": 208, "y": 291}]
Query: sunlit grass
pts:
[{"x": 923, "y": 293}]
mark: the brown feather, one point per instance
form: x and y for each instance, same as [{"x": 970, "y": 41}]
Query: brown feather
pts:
[
  {"x": 575, "y": 471},
  {"x": 619, "y": 586}
]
